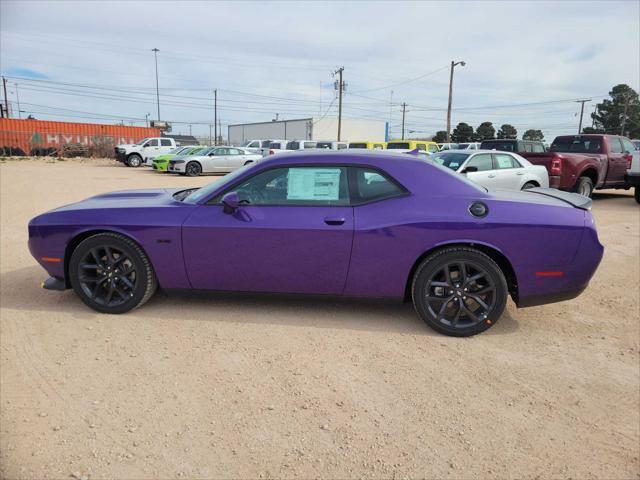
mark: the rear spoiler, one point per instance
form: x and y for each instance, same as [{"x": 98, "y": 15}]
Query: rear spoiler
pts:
[{"x": 573, "y": 199}]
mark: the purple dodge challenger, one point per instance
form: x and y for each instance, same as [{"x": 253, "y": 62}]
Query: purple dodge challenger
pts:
[{"x": 368, "y": 224}]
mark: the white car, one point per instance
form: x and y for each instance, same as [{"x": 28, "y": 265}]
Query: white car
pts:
[
  {"x": 213, "y": 160},
  {"x": 494, "y": 169},
  {"x": 277, "y": 146},
  {"x": 331, "y": 145},
  {"x": 133, "y": 155}
]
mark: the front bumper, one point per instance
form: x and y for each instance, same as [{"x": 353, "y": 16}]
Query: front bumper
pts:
[
  {"x": 121, "y": 155},
  {"x": 176, "y": 167},
  {"x": 160, "y": 166},
  {"x": 632, "y": 179}
]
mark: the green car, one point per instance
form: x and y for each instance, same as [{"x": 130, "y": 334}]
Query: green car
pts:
[{"x": 161, "y": 162}]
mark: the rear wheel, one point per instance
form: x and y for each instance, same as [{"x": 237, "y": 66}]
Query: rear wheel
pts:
[
  {"x": 111, "y": 273},
  {"x": 584, "y": 186},
  {"x": 529, "y": 185},
  {"x": 193, "y": 169},
  {"x": 459, "y": 291},
  {"x": 134, "y": 160}
]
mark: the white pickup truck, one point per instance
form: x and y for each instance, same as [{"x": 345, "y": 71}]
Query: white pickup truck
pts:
[{"x": 132, "y": 154}]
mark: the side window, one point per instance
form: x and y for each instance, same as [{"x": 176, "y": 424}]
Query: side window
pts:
[
  {"x": 505, "y": 161},
  {"x": 379, "y": 146},
  {"x": 296, "y": 186},
  {"x": 372, "y": 185},
  {"x": 293, "y": 146},
  {"x": 342, "y": 146},
  {"x": 482, "y": 162},
  {"x": 234, "y": 151},
  {"x": 309, "y": 145},
  {"x": 627, "y": 146},
  {"x": 254, "y": 145},
  {"x": 528, "y": 147},
  {"x": 615, "y": 145},
  {"x": 220, "y": 152},
  {"x": 165, "y": 142},
  {"x": 152, "y": 143},
  {"x": 421, "y": 146},
  {"x": 433, "y": 148}
]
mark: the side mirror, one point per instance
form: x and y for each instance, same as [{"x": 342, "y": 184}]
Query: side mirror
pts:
[
  {"x": 211, "y": 154},
  {"x": 469, "y": 170},
  {"x": 231, "y": 202}
]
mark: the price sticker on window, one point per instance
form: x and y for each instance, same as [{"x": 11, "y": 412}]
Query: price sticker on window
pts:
[{"x": 313, "y": 184}]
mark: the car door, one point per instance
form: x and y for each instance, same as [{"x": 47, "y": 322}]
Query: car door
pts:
[
  {"x": 485, "y": 174},
  {"x": 165, "y": 146},
  {"x": 292, "y": 233},
  {"x": 151, "y": 149},
  {"x": 217, "y": 160},
  {"x": 508, "y": 172},
  {"x": 235, "y": 159},
  {"x": 617, "y": 162}
]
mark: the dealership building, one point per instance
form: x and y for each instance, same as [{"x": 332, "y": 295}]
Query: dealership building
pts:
[{"x": 312, "y": 128}]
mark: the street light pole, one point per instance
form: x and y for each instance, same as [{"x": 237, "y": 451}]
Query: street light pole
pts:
[
  {"x": 155, "y": 53},
  {"x": 453, "y": 64},
  {"x": 215, "y": 117}
]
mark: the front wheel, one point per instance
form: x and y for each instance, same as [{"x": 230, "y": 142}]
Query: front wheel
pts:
[
  {"x": 111, "y": 273},
  {"x": 134, "y": 160},
  {"x": 193, "y": 169},
  {"x": 584, "y": 186},
  {"x": 459, "y": 291}
]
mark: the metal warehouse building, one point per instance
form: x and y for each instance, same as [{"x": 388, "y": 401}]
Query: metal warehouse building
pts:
[{"x": 313, "y": 128}]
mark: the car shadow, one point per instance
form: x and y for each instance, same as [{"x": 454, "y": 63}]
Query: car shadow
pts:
[{"x": 20, "y": 290}]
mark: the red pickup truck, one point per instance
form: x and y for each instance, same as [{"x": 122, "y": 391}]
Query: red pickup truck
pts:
[{"x": 582, "y": 163}]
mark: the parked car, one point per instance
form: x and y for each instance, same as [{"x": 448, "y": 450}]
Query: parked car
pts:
[
  {"x": 632, "y": 177},
  {"x": 161, "y": 162},
  {"x": 276, "y": 146},
  {"x": 513, "y": 145},
  {"x": 331, "y": 145},
  {"x": 447, "y": 146},
  {"x": 213, "y": 160},
  {"x": 295, "y": 145},
  {"x": 494, "y": 169},
  {"x": 582, "y": 163},
  {"x": 392, "y": 226},
  {"x": 469, "y": 146},
  {"x": 636, "y": 144},
  {"x": 368, "y": 145},
  {"x": 132, "y": 155},
  {"x": 422, "y": 145}
]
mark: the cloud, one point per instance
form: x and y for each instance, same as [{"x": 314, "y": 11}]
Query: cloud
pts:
[{"x": 26, "y": 72}]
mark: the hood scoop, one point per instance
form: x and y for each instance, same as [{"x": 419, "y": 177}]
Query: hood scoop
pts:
[{"x": 130, "y": 194}]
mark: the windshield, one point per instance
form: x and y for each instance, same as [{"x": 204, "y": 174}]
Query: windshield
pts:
[
  {"x": 450, "y": 159},
  {"x": 205, "y": 191},
  {"x": 398, "y": 146},
  {"x": 245, "y": 144},
  {"x": 577, "y": 144},
  {"x": 142, "y": 141},
  {"x": 463, "y": 146}
]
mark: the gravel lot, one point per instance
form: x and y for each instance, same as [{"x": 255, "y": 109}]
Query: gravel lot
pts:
[{"x": 256, "y": 386}]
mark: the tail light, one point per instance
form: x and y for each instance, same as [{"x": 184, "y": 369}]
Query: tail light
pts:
[
  {"x": 556, "y": 166},
  {"x": 629, "y": 158},
  {"x": 271, "y": 152}
]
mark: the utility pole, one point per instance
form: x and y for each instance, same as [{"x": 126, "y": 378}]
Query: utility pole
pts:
[
  {"x": 390, "y": 115},
  {"x": 215, "y": 116},
  {"x": 220, "y": 129},
  {"x": 18, "y": 99},
  {"x": 146, "y": 119},
  {"x": 340, "y": 88},
  {"x": 581, "y": 112},
  {"x": 189, "y": 129},
  {"x": 453, "y": 64},
  {"x": 6, "y": 98},
  {"x": 627, "y": 97},
  {"x": 404, "y": 111},
  {"x": 155, "y": 52},
  {"x": 210, "y": 135}
]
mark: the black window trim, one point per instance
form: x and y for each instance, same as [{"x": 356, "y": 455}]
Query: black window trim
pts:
[{"x": 350, "y": 185}]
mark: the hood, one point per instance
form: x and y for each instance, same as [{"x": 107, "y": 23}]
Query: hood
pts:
[
  {"x": 126, "y": 199},
  {"x": 129, "y": 145}
]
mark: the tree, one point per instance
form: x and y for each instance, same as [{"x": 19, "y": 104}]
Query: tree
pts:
[
  {"x": 462, "y": 133},
  {"x": 592, "y": 130},
  {"x": 609, "y": 114},
  {"x": 440, "y": 137},
  {"x": 532, "y": 134},
  {"x": 485, "y": 131},
  {"x": 507, "y": 131}
]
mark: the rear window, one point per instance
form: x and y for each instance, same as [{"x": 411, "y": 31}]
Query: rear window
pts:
[
  {"x": 577, "y": 144},
  {"x": 450, "y": 159},
  {"x": 502, "y": 145},
  {"x": 397, "y": 146},
  {"x": 615, "y": 145}
]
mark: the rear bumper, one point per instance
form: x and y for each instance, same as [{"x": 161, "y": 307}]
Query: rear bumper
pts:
[{"x": 632, "y": 179}]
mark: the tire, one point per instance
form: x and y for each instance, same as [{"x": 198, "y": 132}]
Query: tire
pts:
[
  {"x": 584, "y": 186},
  {"x": 134, "y": 160},
  {"x": 528, "y": 185},
  {"x": 108, "y": 290},
  {"x": 440, "y": 297},
  {"x": 636, "y": 194},
  {"x": 192, "y": 169}
]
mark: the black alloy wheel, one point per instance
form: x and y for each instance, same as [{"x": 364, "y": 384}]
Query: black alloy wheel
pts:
[
  {"x": 459, "y": 291},
  {"x": 193, "y": 169},
  {"x": 111, "y": 273}
]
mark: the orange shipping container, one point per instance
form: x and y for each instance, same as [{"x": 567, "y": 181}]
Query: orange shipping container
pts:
[{"x": 42, "y": 137}]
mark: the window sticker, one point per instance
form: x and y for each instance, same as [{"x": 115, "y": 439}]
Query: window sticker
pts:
[
  {"x": 313, "y": 184},
  {"x": 504, "y": 161}
]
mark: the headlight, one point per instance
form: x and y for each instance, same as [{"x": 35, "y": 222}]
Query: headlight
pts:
[{"x": 177, "y": 161}]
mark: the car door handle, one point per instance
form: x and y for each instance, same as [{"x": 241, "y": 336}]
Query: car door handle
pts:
[
  {"x": 519, "y": 173},
  {"x": 333, "y": 220},
  {"x": 491, "y": 175}
]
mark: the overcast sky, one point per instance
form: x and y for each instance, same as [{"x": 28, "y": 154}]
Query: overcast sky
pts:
[{"x": 267, "y": 58}]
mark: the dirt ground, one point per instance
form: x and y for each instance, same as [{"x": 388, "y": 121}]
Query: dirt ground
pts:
[{"x": 228, "y": 386}]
